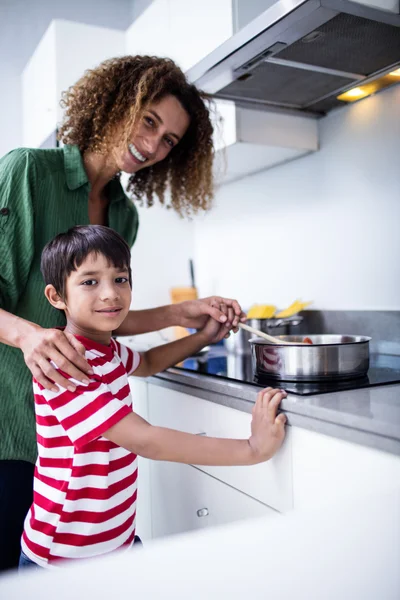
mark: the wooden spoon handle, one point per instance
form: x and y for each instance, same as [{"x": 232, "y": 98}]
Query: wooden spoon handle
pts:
[{"x": 261, "y": 334}]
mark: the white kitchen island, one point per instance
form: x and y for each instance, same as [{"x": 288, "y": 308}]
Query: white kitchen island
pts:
[
  {"x": 328, "y": 506},
  {"x": 338, "y": 446}
]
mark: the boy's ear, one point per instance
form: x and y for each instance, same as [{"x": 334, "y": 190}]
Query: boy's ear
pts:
[{"x": 54, "y": 297}]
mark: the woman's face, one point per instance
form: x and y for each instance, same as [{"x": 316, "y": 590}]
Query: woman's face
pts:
[{"x": 163, "y": 125}]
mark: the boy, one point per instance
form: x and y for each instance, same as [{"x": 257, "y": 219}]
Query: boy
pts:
[{"x": 88, "y": 437}]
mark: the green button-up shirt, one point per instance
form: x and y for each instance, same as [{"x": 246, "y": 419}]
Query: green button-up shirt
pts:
[{"x": 42, "y": 193}]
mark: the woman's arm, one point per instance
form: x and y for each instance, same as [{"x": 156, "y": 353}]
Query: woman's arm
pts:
[
  {"x": 162, "y": 357},
  {"x": 13, "y": 329},
  {"x": 191, "y": 313},
  {"x": 40, "y": 346},
  {"x": 18, "y": 182}
]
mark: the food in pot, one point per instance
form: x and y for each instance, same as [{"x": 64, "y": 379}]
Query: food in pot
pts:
[{"x": 307, "y": 340}]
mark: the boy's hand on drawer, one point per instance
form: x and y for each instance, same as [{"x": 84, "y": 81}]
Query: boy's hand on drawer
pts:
[{"x": 267, "y": 428}]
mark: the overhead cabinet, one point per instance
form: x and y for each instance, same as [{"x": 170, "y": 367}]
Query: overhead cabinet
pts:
[
  {"x": 246, "y": 140},
  {"x": 64, "y": 53}
]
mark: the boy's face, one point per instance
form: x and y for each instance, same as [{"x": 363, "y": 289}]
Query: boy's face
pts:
[{"x": 98, "y": 296}]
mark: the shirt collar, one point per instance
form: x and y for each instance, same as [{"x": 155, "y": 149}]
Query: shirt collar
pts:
[
  {"x": 76, "y": 176},
  {"x": 106, "y": 350},
  {"x": 75, "y": 173}
]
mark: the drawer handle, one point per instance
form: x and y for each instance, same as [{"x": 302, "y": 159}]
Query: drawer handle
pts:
[
  {"x": 202, "y": 512},
  {"x": 201, "y": 433}
]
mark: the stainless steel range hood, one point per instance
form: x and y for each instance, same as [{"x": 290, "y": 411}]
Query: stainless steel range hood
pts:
[{"x": 298, "y": 55}]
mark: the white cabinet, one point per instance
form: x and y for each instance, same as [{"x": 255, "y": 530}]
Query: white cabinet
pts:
[
  {"x": 39, "y": 92},
  {"x": 327, "y": 470},
  {"x": 269, "y": 482},
  {"x": 138, "y": 389},
  {"x": 66, "y": 50},
  {"x": 185, "y": 499},
  {"x": 246, "y": 140},
  {"x": 150, "y": 32},
  {"x": 181, "y": 30},
  {"x": 310, "y": 470},
  {"x": 175, "y": 498},
  {"x": 197, "y": 28}
]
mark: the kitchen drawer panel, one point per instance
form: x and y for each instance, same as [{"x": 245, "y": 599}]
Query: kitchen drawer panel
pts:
[
  {"x": 186, "y": 499},
  {"x": 269, "y": 482}
]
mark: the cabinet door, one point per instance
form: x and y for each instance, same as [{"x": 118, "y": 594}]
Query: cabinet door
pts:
[
  {"x": 185, "y": 499},
  {"x": 57, "y": 64},
  {"x": 150, "y": 32},
  {"x": 39, "y": 92},
  {"x": 269, "y": 482},
  {"x": 327, "y": 470},
  {"x": 181, "y": 30},
  {"x": 197, "y": 28},
  {"x": 143, "y": 509}
]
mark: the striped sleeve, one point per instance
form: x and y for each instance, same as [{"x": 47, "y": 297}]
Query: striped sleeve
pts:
[
  {"x": 130, "y": 358},
  {"x": 17, "y": 188},
  {"x": 86, "y": 414}
]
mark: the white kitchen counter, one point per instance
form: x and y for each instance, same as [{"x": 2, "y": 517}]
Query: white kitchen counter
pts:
[{"x": 368, "y": 416}]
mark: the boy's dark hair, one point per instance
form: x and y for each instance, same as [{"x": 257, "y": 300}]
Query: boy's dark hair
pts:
[{"x": 67, "y": 251}]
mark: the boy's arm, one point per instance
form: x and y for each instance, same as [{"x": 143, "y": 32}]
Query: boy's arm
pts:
[
  {"x": 159, "y": 443},
  {"x": 160, "y": 358}
]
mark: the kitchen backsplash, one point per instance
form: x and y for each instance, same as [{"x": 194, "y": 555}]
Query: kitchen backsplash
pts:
[
  {"x": 322, "y": 228},
  {"x": 382, "y": 326}
]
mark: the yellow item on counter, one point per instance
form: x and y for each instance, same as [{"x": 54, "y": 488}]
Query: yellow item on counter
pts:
[
  {"x": 293, "y": 309},
  {"x": 261, "y": 311},
  {"x": 180, "y": 294},
  {"x": 268, "y": 311}
]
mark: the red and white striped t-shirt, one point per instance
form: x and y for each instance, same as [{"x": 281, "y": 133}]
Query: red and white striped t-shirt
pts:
[{"x": 85, "y": 486}]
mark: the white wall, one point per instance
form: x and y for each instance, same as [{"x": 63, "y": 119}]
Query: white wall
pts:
[
  {"x": 165, "y": 243},
  {"x": 324, "y": 228},
  {"x": 160, "y": 256}
]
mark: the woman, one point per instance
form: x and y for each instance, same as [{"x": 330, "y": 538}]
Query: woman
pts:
[{"x": 133, "y": 114}]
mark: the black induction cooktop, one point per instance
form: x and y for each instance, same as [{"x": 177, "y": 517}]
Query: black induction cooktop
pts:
[{"x": 216, "y": 362}]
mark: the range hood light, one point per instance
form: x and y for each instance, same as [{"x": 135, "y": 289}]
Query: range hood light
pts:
[
  {"x": 352, "y": 95},
  {"x": 304, "y": 54},
  {"x": 362, "y": 91}
]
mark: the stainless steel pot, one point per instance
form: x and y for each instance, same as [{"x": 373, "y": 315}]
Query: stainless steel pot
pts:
[
  {"x": 329, "y": 357},
  {"x": 238, "y": 343}
]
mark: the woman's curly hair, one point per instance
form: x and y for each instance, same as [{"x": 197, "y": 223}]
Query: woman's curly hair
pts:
[{"x": 118, "y": 91}]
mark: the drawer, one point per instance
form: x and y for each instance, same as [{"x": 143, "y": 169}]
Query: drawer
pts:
[
  {"x": 269, "y": 482},
  {"x": 186, "y": 499}
]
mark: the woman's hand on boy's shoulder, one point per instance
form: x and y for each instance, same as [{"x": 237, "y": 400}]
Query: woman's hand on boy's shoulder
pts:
[
  {"x": 42, "y": 346},
  {"x": 195, "y": 313}
]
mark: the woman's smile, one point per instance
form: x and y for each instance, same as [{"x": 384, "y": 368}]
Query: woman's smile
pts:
[
  {"x": 136, "y": 155},
  {"x": 163, "y": 125}
]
